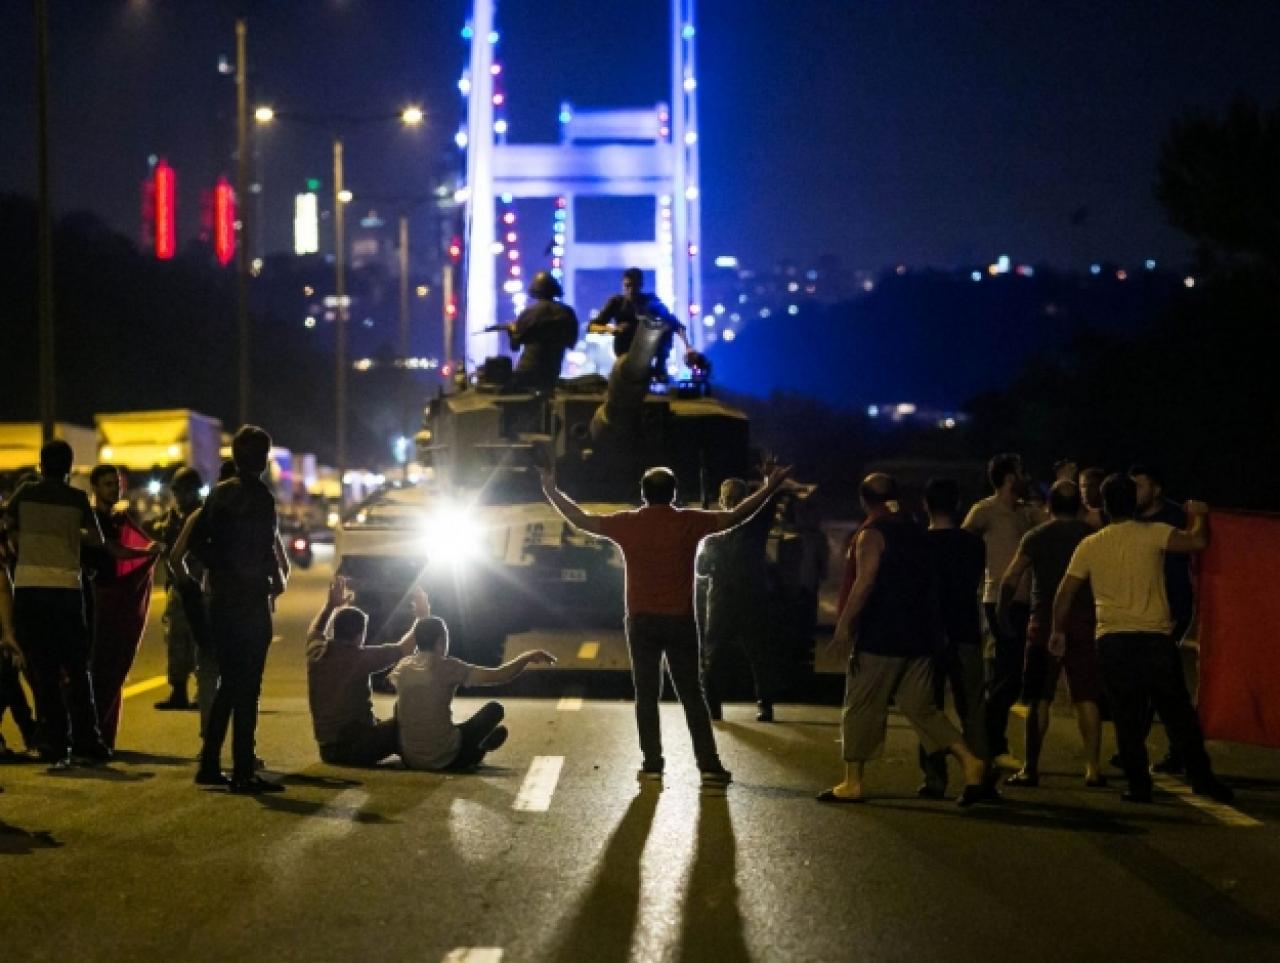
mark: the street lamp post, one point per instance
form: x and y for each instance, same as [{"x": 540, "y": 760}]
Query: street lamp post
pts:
[
  {"x": 44, "y": 228},
  {"x": 410, "y": 117},
  {"x": 242, "y": 213},
  {"x": 340, "y": 316}
]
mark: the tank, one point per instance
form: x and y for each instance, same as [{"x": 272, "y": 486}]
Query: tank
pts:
[{"x": 494, "y": 556}]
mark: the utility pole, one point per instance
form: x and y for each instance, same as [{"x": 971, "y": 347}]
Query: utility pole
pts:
[
  {"x": 404, "y": 287},
  {"x": 340, "y": 316},
  {"x": 44, "y": 231},
  {"x": 242, "y": 211}
]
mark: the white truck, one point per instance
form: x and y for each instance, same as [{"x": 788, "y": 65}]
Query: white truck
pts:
[{"x": 152, "y": 445}]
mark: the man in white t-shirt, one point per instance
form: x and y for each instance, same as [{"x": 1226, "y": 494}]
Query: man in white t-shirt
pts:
[
  {"x": 1123, "y": 564},
  {"x": 425, "y": 683},
  {"x": 1002, "y": 519}
]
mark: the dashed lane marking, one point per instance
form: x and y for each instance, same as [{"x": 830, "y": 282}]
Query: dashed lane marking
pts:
[
  {"x": 146, "y": 685},
  {"x": 539, "y": 784},
  {"x": 569, "y": 704},
  {"x": 588, "y": 650},
  {"x": 1227, "y": 815},
  {"x": 474, "y": 954}
]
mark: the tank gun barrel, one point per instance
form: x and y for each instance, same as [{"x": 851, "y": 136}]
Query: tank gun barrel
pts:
[{"x": 618, "y": 417}]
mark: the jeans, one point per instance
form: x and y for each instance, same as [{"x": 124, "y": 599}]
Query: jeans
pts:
[
  {"x": 650, "y": 638},
  {"x": 474, "y": 732},
  {"x": 1136, "y": 674},
  {"x": 241, "y": 625},
  {"x": 51, "y": 628},
  {"x": 1004, "y": 684},
  {"x": 962, "y": 667},
  {"x": 737, "y": 619}
]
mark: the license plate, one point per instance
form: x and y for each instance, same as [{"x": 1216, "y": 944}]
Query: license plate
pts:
[{"x": 573, "y": 574}]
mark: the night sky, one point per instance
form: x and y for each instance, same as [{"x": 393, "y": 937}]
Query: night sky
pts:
[{"x": 938, "y": 133}]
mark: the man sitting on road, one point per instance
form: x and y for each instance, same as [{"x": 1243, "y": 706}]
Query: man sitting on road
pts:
[
  {"x": 425, "y": 684},
  {"x": 338, "y": 669}
]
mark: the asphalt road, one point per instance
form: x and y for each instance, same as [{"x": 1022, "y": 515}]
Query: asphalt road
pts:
[{"x": 553, "y": 852}]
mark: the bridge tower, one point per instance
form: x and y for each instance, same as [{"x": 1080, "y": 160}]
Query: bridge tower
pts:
[{"x": 636, "y": 152}]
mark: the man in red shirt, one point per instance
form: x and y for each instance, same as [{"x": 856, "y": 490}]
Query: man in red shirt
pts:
[{"x": 658, "y": 543}]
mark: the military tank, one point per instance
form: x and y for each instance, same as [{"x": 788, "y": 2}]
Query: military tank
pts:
[{"x": 477, "y": 532}]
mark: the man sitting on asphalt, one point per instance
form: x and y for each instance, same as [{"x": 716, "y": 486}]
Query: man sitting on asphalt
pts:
[
  {"x": 425, "y": 684},
  {"x": 338, "y": 669}
]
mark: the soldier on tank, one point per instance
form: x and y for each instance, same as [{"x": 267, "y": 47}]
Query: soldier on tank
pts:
[
  {"x": 621, "y": 314},
  {"x": 544, "y": 331}
]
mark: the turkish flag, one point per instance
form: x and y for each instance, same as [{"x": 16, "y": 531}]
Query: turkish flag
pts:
[{"x": 1239, "y": 592}]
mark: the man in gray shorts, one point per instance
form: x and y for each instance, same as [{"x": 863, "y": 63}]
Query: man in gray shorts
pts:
[{"x": 893, "y": 620}]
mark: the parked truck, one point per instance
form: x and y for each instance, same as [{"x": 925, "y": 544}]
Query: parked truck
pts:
[{"x": 151, "y": 445}]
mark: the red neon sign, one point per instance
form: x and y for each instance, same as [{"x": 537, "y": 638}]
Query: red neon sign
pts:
[
  {"x": 224, "y": 222},
  {"x": 165, "y": 183}
]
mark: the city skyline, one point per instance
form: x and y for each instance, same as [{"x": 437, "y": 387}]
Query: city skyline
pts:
[{"x": 936, "y": 135}]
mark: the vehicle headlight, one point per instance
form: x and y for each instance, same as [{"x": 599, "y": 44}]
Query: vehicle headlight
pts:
[{"x": 452, "y": 535}]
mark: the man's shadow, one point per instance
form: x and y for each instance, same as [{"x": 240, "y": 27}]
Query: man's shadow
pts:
[
  {"x": 15, "y": 841},
  {"x": 606, "y": 920},
  {"x": 712, "y": 922}
]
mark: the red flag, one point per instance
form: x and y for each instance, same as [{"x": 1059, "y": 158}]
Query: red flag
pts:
[{"x": 1240, "y": 630}]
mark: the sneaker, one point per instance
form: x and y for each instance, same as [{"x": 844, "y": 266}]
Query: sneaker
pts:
[
  {"x": 495, "y": 739},
  {"x": 716, "y": 777},
  {"x": 93, "y": 752},
  {"x": 1214, "y": 789},
  {"x": 650, "y": 772},
  {"x": 177, "y": 702},
  {"x": 253, "y": 785},
  {"x": 212, "y": 777}
]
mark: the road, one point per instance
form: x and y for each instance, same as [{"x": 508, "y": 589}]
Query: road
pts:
[{"x": 553, "y": 852}]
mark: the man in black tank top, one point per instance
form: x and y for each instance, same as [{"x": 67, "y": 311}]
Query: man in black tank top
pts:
[{"x": 893, "y": 621}]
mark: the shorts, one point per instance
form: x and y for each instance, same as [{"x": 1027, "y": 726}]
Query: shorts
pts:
[{"x": 1040, "y": 669}]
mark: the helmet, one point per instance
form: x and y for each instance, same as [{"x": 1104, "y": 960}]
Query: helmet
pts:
[{"x": 544, "y": 285}]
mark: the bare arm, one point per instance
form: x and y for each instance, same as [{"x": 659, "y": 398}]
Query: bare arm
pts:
[
  {"x": 567, "y": 507},
  {"x": 752, "y": 504},
  {"x": 8, "y": 641},
  {"x": 1009, "y": 584},
  {"x": 868, "y": 549},
  {"x": 339, "y": 595},
  {"x": 1196, "y": 536},
  {"x": 480, "y": 675},
  {"x": 421, "y": 610},
  {"x": 178, "y": 554},
  {"x": 1062, "y": 602}
]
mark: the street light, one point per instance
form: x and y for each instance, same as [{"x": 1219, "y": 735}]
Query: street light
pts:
[{"x": 410, "y": 117}]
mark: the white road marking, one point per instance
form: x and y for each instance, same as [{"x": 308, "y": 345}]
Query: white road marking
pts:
[
  {"x": 146, "y": 685},
  {"x": 569, "y": 704},
  {"x": 474, "y": 954},
  {"x": 588, "y": 650},
  {"x": 1228, "y": 815},
  {"x": 539, "y": 784}
]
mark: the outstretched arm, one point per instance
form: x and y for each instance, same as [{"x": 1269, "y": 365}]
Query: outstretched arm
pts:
[
  {"x": 752, "y": 504},
  {"x": 479, "y": 675},
  {"x": 566, "y": 506}
]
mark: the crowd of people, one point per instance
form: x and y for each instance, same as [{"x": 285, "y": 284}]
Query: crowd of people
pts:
[
  {"x": 1095, "y": 582},
  {"x": 989, "y": 608}
]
